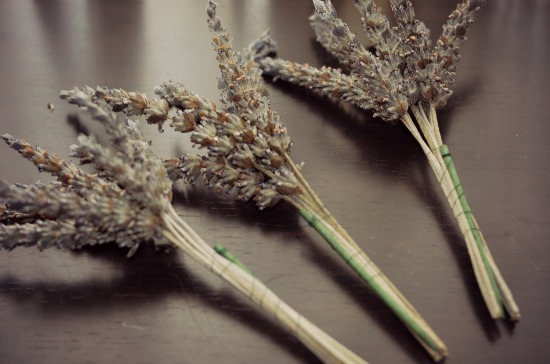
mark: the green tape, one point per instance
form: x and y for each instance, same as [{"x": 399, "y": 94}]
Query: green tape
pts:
[
  {"x": 449, "y": 164},
  {"x": 221, "y": 250},
  {"x": 350, "y": 260}
]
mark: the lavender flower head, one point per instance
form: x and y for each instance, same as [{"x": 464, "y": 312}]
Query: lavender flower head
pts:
[
  {"x": 246, "y": 141},
  {"x": 247, "y": 144},
  {"x": 399, "y": 70},
  {"x": 122, "y": 203}
]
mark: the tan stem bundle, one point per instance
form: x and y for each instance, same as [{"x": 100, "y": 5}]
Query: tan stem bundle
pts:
[
  {"x": 324, "y": 346},
  {"x": 316, "y": 213},
  {"x": 494, "y": 289}
]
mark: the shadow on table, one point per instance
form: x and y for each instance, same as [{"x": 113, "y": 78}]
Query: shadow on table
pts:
[{"x": 147, "y": 278}]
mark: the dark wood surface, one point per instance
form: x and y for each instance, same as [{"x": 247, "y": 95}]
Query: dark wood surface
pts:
[{"x": 96, "y": 306}]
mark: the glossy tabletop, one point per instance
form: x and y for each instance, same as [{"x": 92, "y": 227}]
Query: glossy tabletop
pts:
[{"x": 97, "y": 306}]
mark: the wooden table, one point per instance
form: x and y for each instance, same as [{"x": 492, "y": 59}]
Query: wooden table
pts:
[{"x": 96, "y": 306}]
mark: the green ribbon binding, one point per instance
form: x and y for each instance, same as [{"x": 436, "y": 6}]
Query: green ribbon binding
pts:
[
  {"x": 353, "y": 263},
  {"x": 221, "y": 250},
  {"x": 450, "y": 167}
]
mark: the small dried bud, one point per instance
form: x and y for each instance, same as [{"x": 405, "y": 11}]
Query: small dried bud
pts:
[
  {"x": 267, "y": 197},
  {"x": 248, "y": 136},
  {"x": 184, "y": 121},
  {"x": 204, "y": 134},
  {"x": 244, "y": 157},
  {"x": 222, "y": 145},
  {"x": 157, "y": 111},
  {"x": 191, "y": 166},
  {"x": 139, "y": 101},
  {"x": 286, "y": 188},
  {"x": 247, "y": 183}
]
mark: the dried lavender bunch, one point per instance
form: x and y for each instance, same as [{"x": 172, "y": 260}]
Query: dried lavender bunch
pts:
[
  {"x": 128, "y": 203},
  {"x": 248, "y": 152},
  {"x": 404, "y": 79}
]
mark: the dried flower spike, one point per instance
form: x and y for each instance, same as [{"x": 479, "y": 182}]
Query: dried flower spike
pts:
[
  {"x": 127, "y": 203},
  {"x": 248, "y": 151},
  {"x": 404, "y": 79}
]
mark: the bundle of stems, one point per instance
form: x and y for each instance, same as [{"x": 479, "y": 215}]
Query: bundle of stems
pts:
[
  {"x": 128, "y": 201},
  {"x": 248, "y": 152},
  {"x": 403, "y": 78}
]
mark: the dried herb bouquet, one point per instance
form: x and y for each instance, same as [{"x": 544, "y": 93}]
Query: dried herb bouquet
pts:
[
  {"x": 402, "y": 78},
  {"x": 127, "y": 201},
  {"x": 248, "y": 154}
]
